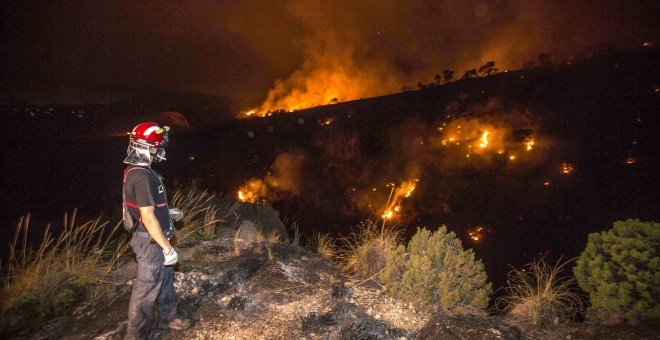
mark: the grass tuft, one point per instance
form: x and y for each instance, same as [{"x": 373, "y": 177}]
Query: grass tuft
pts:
[
  {"x": 364, "y": 251},
  {"x": 201, "y": 216},
  {"x": 325, "y": 246},
  {"x": 293, "y": 227},
  {"x": 81, "y": 255},
  {"x": 268, "y": 240},
  {"x": 537, "y": 296}
]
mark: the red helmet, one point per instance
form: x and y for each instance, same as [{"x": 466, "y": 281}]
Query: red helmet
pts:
[{"x": 150, "y": 134}]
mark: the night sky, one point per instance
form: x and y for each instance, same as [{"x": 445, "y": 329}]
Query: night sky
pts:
[{"x": 102, "y": 51}]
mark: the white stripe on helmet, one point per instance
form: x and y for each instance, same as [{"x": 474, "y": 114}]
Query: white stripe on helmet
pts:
[{"x": 148, "y": 131}]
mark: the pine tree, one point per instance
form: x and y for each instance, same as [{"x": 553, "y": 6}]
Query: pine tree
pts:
[
  {"x": 620, "y": 269},
  {"x": 435, "y": 272}
]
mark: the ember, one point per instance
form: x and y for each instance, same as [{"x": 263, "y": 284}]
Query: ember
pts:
[{"x": 477, "y": 233}]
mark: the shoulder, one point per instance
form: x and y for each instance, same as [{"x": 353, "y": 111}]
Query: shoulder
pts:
[{"x": 135, "y": 173}]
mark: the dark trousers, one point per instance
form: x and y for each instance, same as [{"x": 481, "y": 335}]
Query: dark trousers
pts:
[{"x": 154, "y": 286}]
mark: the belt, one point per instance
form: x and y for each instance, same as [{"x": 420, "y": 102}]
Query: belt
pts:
[{"x": 142, "y": 234}]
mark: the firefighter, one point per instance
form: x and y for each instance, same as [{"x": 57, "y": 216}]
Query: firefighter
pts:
[{"x": 150, "y": 220}]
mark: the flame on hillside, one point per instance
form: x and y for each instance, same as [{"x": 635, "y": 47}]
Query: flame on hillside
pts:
[
  {"x": 324, "y": 79},
  {"x": 253, "y": 191},
  {"x": 479, "y": 140},
  {"x": 397, "y": 194},
  {"x": 477, "y": 233},
  {"x": 483, "y": 136},
  {"x": 283, "y": 181}
]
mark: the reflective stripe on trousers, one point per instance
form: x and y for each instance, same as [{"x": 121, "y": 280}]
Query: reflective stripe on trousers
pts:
[{"x": 153, "y": 286}]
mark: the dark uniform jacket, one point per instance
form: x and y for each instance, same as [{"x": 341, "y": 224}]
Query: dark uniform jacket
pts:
[{"x": 144, "y": 187}]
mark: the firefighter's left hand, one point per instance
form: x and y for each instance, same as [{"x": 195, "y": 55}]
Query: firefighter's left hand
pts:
[{"x": 176, "y": 214}]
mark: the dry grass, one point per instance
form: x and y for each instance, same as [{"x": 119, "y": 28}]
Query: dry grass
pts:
[
  {"x": 81, "y": 254},
  {"x": 364, "y": 251},
  {"x": 271, "y": 237},
  {"x": 201, "y": 216},
  {"x": 237, "y": 242},
  {"x": 325, "y": 245},
  {"x": 296, "y": 240},
  {"x": 539, "y": 297}
]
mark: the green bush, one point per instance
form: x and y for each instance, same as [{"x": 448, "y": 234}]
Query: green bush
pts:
[
  {"x": 620, "y": 270},
  {"x": 435, "y": 272}
]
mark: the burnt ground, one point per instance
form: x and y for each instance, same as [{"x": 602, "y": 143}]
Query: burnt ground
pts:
[{"x": 295, "y": 294}]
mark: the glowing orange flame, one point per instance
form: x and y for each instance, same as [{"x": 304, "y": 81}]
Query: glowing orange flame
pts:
[
  {"x": 566, "y": 168},
  {"x": 631, "y": 160},
  {"x": 470, "y": 137},
  {"x": 484, "y": 139},
  {"x": 245, "y": 196},
  {"x": 254, "y": 191},
  {"x": 393, "y": 208},
  {"x": 477, "y": 233}
]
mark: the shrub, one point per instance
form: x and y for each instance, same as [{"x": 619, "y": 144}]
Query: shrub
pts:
[
  {"x": 539, "y": 296},
  {"x": 620, "y": 269},
  {"x": 435, "y": 272},
  {"x": 364, "y": 252}
]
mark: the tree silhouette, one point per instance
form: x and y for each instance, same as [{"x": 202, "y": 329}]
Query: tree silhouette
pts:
[
  {"x": 447, "y": 75},
  {"x": 437, "y": 79},
  {"x": 470, "y": 74},
  {"x": 488, "y": 69}
]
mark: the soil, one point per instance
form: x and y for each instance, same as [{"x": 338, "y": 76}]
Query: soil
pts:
[{"x": 291, "y": 294}]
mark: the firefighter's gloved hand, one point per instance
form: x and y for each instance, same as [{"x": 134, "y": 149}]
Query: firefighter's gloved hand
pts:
[
  {"x": 170, "y": 258},
  {"x": 176, "y": 214}
]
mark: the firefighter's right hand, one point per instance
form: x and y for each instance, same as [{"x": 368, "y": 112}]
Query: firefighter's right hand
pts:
[
  {"x": 176, "y": 214},
  {"x": 171, "y": 258}
]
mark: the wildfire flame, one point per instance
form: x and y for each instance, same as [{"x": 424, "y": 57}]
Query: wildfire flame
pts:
[
  {"x": 484, "y": 137},
  {"x": 477, "y": 233},
  {"x": 253, "y": 191},
  {"x": 405, "y": 190},
  {"x": 282, "y": 181},
  {"x": 566, "y": 168}
]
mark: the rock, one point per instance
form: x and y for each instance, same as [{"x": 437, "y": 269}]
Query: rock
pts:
[{"x": 247, "y": 231}]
